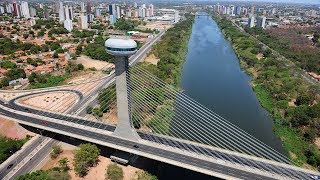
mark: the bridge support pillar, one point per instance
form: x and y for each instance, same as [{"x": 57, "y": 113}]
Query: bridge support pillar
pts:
[{"x": 124, "y": 127}]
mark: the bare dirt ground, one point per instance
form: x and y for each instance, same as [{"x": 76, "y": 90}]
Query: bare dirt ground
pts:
[
  {"x": 110, "y": 117},
  {"x": 151, "y": 58},
  {"x": 95, "y": 173},
  {"x": 85, "y": 76},
  {"x": 13, "y": 130},
  {"x": 10, "y": 95},
  {"x": 292, "y": 103},
  {"x": 55, "y": 101},
  {"x": 259, "y": 56},
  {"x": 317, "y": 142},
  {"x": 156, "y": 25},
  {"x": 90, "y": 63}
]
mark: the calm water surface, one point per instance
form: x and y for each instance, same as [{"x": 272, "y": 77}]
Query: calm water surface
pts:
[{"x": 212, "y": 76}]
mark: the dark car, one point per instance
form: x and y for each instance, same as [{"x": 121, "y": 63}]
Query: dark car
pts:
[
  {"x": 135, "y": 146},
  {"x": 10, "y": 165}
]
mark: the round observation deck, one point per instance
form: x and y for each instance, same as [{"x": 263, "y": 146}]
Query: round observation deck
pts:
[{"x": 121, "y": 47}]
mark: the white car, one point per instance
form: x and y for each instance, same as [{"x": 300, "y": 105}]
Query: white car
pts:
[{"x": 315, "y": 177}]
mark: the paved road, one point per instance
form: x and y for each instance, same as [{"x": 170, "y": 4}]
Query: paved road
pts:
[
  {"x": 36, "y": 160},
  {"x": 21, "y": 156},
  {"x": 156, "y": 138},
  {"x": 145, "y": 148},
  {"x": 91, "y": 99}
]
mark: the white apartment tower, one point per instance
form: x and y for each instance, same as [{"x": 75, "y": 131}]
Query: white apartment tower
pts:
[
  {"x": 151, "y": 8},
  {"x": 251, "y": 22},
  {"x": 25, "y": 9},
  {"x": 61, "y": 12}
]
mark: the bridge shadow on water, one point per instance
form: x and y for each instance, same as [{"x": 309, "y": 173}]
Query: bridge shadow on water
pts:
[{"x": 157, "y": 168}]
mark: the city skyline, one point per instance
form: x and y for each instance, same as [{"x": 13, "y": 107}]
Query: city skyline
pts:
[{"x": 275, "y": 1}]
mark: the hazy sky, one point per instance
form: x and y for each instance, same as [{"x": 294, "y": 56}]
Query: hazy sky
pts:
[{"x": 289, "y": 1}]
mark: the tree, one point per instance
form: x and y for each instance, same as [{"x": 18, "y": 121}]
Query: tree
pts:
[
  {"x": 114, "y": 172},
  {"x": 55, "y": 55},
  {"x": 8, "y": 65},
  {"x": 300, "y": 117},
  {"x": 25, "y": 36},
  {"x": 63, "y": 164},
  {"x": 80, "y": 67},
  {"x": 16, "y": 73},
  {"x": 89, "y": 109},
  {"x": 144, "y": 175},
  {"x": 85, "y": 157},
  {"x": 56, "y": 150},
  {"x": 32, "y": 77},
  {"x": 303, "y": 99}
]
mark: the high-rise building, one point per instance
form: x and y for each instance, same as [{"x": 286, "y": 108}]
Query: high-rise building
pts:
[
  {"x": 66, "y": 12},
  {"x": 136, "y": 13},
  {"x": 71, "y": 13},
  {"x": 251, "y": 21},
  {"x": 2, "y": 10},
  {"x": 68, "y": 24},
  {"x": 61, "y": 12},
  {"x": 118, "y": 12},
  {"x": 238, "y": 10},
  {"x": 273, "y": 12},
  {"x": 261, "y": 21},
  {"x": 245, "y": 11},
  {"x": 82, "y": 7},
  {"x": 33, "y": 12},
  {"x": 135, "y": 5},
  {"x": 89, "y": 5},
  {"x": 140, "y": 12},
  {"x": 83, "y": 22},
  {"x": 98, "y": 12},
  {"x": 151, "y": 8},
  {"x": 112, "y": 19},
  {"x": 90, "y": 18},
  {"x": 15, "y": 9},
  {"x": 143, "y": 12},
  {"x": 252, "y": 10},
  {"x": 176, "y": 16},
  {"x": 233, "y": 10},
  {"x": 129, "y": 13}
]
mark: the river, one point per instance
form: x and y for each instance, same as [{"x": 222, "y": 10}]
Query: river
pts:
[{"x": 212, "y": 76}]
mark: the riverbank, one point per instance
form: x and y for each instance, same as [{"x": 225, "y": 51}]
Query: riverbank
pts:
[
  {"x": 296, "y": 124},
  {"x": 171, "y": 51}
]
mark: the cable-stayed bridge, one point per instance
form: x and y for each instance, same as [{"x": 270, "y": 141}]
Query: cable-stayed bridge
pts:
[{"x": 165, "y": 124}]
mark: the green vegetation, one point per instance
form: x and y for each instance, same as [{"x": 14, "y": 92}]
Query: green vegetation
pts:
[
  {"x": 8, "y": 65},
  {"x": 48, "y": 80},
  {"x": 126, "y": 25},
  {"x": 10, "y": 146},
  {"x": 85, "y": 157},
  {"x": 172, "y": 50},
  {"x": 35, "y": 62},
  {"x": 293, "y": 103},
  {"x": 144, "y": 175},
  {"x": 114, "y": 172},
  {"x": 7, "y": 46},
  {"x": 83, "y": 33},
  {"x": 105, "y": 98},
  {"x": 157, "y": 110},
  {"x": 56, "y": 150},
  {"x": 45, "y": 80},
  {"x": 97, "y": 50},
  {"x": 301, "y": 54},
  {"x": 52, "y": 174}
]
